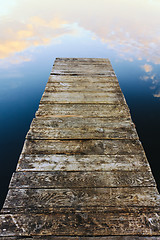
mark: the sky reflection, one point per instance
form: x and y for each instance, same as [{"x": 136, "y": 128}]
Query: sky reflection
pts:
[{"x": 128, "y": 29}]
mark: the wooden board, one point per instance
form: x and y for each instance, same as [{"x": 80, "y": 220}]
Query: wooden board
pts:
[
  {"x": 119, "y": 238},
  {"x": 82, "y": 163},
  {"x": 85, "y": 147},
  {"x": 81, "y": 63},
  {"x": 83, "y": 238},
  {"x": 87, "y": 60},
  {"x": 82, "y": 209},
  {"x": 84, "y": 70},
  {"x": 83, "y": 110},
  {"x": 82, "y": 86},
  {"x": 82, "y": 60},
  {"x": 83, "y": 67},
  {"x": 81, "y": 128},
  {"x": 83, "y": 97},
  {"x": 79, "y": 121},
  {"x": 49, "y": 238},
  {"x": 139, "y": 223},
  {"x": 78, "y": 73},
  {"x": 81, "y": 197},
  {"x": 82, "y": 133},
  {"x": 64, "y": 179},
  {"x": 79, "y": 78}
]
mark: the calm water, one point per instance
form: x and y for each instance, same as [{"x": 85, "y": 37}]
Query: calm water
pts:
[{"x": 34, "y": 34}]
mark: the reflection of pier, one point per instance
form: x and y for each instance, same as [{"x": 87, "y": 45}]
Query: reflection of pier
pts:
[{"x": 82, "y": 171}]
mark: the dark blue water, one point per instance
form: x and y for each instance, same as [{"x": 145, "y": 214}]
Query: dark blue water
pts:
[{"x": 34, "y": 33}]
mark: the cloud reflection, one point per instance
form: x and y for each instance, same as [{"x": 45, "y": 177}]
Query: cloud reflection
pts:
[
  {"x": 153, "y": 79},
  {"x": 17, "y": 36},
  {"x": 129, "y": 28},
  {"x": 147, "y": 68}
]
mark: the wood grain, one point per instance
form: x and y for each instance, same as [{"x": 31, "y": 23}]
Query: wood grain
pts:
[
  {"x": 83, "y": 110},
  {"x": 82, "y": 197},
  {"x": 83, "y": 147},
  {"x": 82, "y": 163},
  {"x": 82, "y": 86},
  {"x": 82, "y": 78},
  {"x": 65, "y": 179},
  {"x": 83, "y": 97},
  {"x": 85, "y": 70},
  {"x": 83, "y": 238},
  {"x": 76, "y": 122},
  {"x": 81, "y": 128},
  {"x": 81, "y": 224},
  {"x": 78, "y": 60}
]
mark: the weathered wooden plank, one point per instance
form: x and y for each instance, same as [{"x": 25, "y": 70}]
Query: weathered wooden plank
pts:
[
  {"x": 91, "y": 60},
  {"x": 76, "y": 61},
  {"x": 49, "y": 238},
  {"x": 82, "y": 163},
  {"x": 90, "y": 73},
  {"x": 83, "y": 147},
  {"x": 120, "y": 238},
  {"x": 78, "y": 78},
  {"x": 83, "y": 238},
  {"x": 82, "y": 133},
  {"x": 81, "y": 60},
  {"x": 84, "y": 83},
  {"x": 81, "y": 128},
  {"x": 82, "y": 224},
  {"x": 83, "y": 110},
  {"x": 81, "y": 63},
  {"x": 62, "y": 179},
  {"x": 82, "y": 66},
  {"x": 86, "y": 209},
  {"x": 83, "y": 97},
  {"x": 77, "y": 122},
  {"x": 83, "y": 69},
  {"x": 83, "y": 86},
  {"x": 59, "y": 59},
  {"x": 81, "y": 197}
]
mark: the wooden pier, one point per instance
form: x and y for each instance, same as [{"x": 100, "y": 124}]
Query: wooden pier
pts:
[{"x": 82, "y": 173}]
